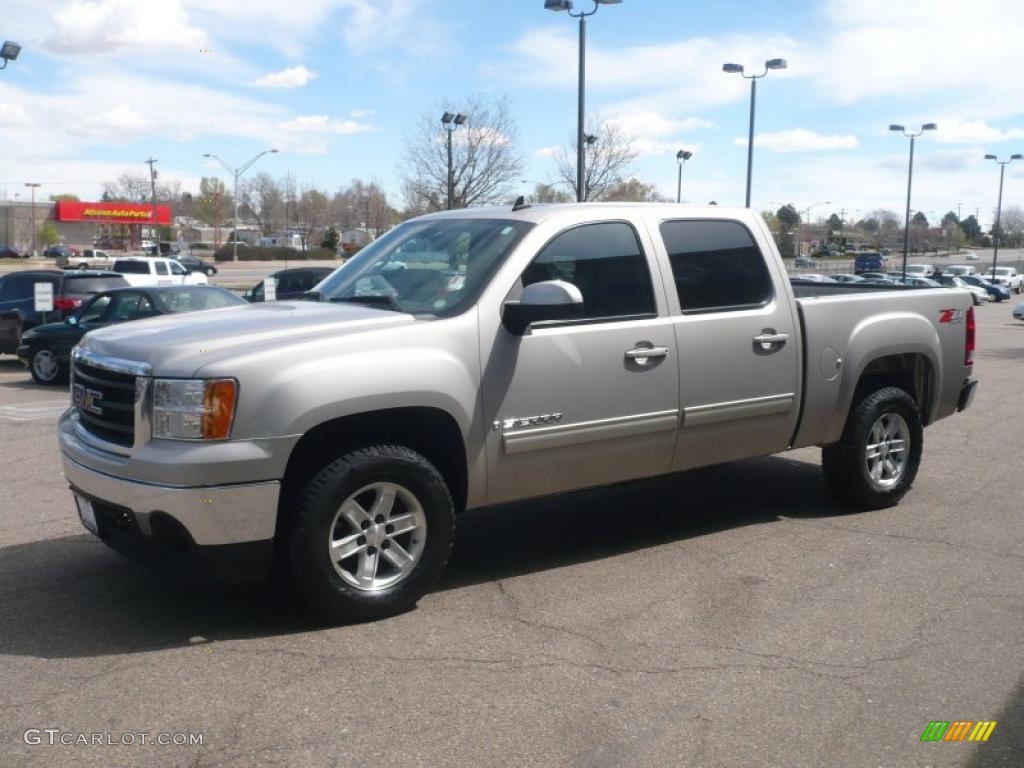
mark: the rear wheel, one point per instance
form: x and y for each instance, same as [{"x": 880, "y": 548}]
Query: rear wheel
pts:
[
  {"x": 372, "y": 533},
  {"x": 876, "y": 460},
  {"x": 46, "y": 367}
]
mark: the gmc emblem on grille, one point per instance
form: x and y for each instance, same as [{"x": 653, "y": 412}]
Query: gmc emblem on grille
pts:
[{"x": 87, "y": 399}]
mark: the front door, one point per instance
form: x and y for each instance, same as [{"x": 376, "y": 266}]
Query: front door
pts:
[
  {"x": 577, "y": 403},
  {"x": 738, "y": 343}
]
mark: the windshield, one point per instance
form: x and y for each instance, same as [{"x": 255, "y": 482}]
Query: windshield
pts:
[{"x": 432, "y": 266}]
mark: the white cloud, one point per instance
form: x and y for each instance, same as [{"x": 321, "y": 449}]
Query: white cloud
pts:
[
  {"x": 325, "y": 124},
  {"x": 293, "y": 77},
  {"x": 107, "y": 26},
  {"x": 546, "y": 151},
  {"x": 953, "y": 131},
  {"x": 356, "y": 114},
  {"x": 800, "y": 140},
  {"x": 119, "y": 120}
]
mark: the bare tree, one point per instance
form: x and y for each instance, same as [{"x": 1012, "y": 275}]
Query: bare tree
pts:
[
  {"x": 262, "y": 196},
  {"x": 633, "y": 190},
  {"x": 609, "y": 160},
  {"x": 314, "y": 214},
  {"x": 550, "y": 193},
  {"x": 485, "y": 161}
]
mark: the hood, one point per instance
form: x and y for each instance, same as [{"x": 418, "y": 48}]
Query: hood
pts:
[{"x": 179, "y": 344}]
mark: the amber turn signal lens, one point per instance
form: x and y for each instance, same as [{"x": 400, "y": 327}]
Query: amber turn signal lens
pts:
[{"x": 219, "y": 408}]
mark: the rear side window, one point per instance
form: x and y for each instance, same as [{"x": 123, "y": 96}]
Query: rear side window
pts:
[
  {"x": 716, "y": 265},
  {"x": 83, "y": 286},
  {"x": 605, "y": 262},
  {"x": 131, "y": 267}
]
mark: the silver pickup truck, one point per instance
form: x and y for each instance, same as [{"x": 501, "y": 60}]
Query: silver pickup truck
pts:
[{"x": 492, "y": 355}]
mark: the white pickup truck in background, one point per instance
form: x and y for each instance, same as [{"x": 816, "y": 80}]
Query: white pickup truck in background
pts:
[{"x": 147, "y": 270}]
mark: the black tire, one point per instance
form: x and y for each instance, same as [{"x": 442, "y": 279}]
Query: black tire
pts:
[
  {"x": 306, "y": 535},
  {"x": 845, "y": 463},
  {"x": 54, "y": 373},
  {"x": 210, "y": 271}
]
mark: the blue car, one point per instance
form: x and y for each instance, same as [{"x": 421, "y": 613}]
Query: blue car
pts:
[{"x": 996, "y": 292}]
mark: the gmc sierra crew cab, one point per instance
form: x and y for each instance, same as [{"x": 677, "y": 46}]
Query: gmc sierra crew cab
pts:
[{"x": 481, "y": 356}]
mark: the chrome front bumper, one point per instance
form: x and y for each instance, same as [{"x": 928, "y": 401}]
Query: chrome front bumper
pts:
[{"x": 212, "y": 516}]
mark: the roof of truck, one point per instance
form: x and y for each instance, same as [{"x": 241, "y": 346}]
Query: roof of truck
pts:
[{"x": 538, "y": 212}]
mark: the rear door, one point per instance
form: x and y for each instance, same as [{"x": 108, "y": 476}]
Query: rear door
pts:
[{"x": 738, "y": 344}]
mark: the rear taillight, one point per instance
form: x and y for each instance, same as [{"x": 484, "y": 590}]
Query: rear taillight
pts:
[
  {"x": 969, "y": 338},
  {"x": 66, "y": 302}
]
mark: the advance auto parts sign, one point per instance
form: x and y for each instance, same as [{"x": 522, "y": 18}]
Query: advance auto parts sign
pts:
[{"x": 111, "y": 213}]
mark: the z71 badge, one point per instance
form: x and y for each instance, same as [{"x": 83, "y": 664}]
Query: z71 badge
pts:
[
  {"x": 528, "y": 421},
  {"x": 954, "y": 316}
]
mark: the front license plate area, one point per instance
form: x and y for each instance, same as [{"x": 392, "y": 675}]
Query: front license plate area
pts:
[{"x": 87, "y": 514}]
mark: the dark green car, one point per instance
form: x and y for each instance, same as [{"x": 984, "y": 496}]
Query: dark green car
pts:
[{"x": 46, "y": 349}]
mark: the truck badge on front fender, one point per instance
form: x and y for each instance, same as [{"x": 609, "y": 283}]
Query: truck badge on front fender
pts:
[{"x": 528, "y": 421}]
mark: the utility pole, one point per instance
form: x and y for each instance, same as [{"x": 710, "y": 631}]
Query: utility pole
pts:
[
  {"x": 152, "y": 186},
  {"x": 33, "y": 185}
]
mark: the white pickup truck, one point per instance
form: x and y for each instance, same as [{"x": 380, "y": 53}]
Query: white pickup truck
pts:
[{"x": 146, "y": 270}]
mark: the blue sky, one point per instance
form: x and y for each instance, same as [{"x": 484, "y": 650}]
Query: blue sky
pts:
[{"x": 103, "y": 84}]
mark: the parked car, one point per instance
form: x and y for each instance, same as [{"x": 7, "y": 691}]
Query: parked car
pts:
[
  {"x": 804, "y": 261},
  {"x": 920, "y": 282},
  {"x": 995, "y": 292},
  {"x": 868, "y": 261},
  {"x": 94, "y": 258},
  {"x": 952, "y": 281},
  {"x": 877, "y": 278},
  {"x": 959, "y": 269},
  {"x": 291, "y": 283},
  {"x": 920, "y": 270},
  {"x": 812, "y": 277},
  {"x": 846, "y": 278},
  {"x": 972, "y": 256},
  {"x": 46, "y": 349},
  {"x": 143, "y": 270},
  {"x": 1018, "y": 311},
  {"x": 62, "y": 254},
  {"x": 8, "y": 252},
  {"x": 1005, "y": 276},
  {"x": 196, "y": 264},
  {"x": 345, "y": 435},
  {"x": 70, "y": 290}
]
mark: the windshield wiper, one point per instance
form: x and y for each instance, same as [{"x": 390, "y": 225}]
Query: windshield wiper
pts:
[{"x": 384, "y": 301}]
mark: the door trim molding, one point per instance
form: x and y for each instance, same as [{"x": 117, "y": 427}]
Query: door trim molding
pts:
[
  {"x": 580, "y": 433},
  {"x": 733, "y": 410}
]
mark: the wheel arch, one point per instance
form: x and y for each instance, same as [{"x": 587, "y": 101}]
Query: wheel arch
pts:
[{"x": 431, "y": 432}]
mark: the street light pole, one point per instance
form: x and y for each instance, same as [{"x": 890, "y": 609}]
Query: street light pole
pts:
[
  {"x": 738, "y": 69},
  {"x": 910, "y": 180},
  {"x": 997, "y": 231},
  {"x": 451, "y": 123},
  {"x": 681, "y": 157},
  {"x": 237, "y": 172},
  {"x": 33, "y": 186},
  {"x": 566, "y": 5}
]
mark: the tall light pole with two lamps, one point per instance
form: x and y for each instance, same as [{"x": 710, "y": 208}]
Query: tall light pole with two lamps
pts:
[
  {"x": 236, "y": 172},
  {"x": 997, "y": 232},
  {"x": 910, "y": 180},
  {"x": 581, "y": 137},
  {"x": 681, "y": 157},
  {"x": 738, "y": 69},
  {"x": 451, "y": 123}
]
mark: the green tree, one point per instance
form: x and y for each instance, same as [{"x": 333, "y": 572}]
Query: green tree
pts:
[
  {"x": 919, "y": 220},
  {"x": 550, "y": 193},
  {"x": 213, "y": 204},
  {"x": 331, "y": 239},
  {"x": 47, "y": 234},
  {"x": 788, "y": 216},
  {"x": 971, "y": 228},
  {"x": 787, "y": 245},
  {"x": 834, "y": 223},
  {"x": 949, "y": 218}
]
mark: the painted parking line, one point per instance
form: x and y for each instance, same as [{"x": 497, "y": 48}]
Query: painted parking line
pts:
[{"x": 41, "y": 411}]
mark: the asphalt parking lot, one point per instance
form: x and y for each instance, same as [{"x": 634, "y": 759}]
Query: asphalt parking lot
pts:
[{"x": 728, "y": 617}]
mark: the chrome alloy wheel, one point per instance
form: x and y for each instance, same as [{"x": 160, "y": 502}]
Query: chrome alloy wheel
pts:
[
  {"x": 887, "y": 450},
  {"x": 377, "y": 536},
  {"x": 45, "y": 365}
]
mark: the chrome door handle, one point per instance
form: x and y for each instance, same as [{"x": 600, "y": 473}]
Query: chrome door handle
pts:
[
  {"x": 768, "y": 340},
  {"x": 642, "y": 354}
]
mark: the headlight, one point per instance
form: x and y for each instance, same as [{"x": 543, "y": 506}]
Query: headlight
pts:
[{"x": 193, "y": 409}]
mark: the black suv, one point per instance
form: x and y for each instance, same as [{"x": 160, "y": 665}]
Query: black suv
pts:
[
  {"x": 70, "y": 289},
  {"x": 291, "y": 283},
  {"x": 195, "y": 264}
]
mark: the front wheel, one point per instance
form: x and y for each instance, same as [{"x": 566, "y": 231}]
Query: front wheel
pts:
[
  {"x": 210, "y": 271},
  {"x": 875, "y": 462},
  {"x": 372, "y": 533},
  {"x": 46, "y": 367}
]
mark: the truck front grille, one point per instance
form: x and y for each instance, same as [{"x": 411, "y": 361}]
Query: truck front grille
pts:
[{"x": 105, "y": 402}]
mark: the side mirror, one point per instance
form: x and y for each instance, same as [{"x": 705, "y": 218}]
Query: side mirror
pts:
[{"x": 547, "y": 300}]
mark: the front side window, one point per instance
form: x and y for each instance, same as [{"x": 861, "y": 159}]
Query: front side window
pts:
[
  {"x": 716, "y": 265},
  {"x": 94, "y": 311},
  {"x": 161, "y": 268},
  {"x": 130, "y": 306},
  {"x": 176, "y": 269},
  {"x": 432, "y": 266},
  {"x": 607, "y": 265}
]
